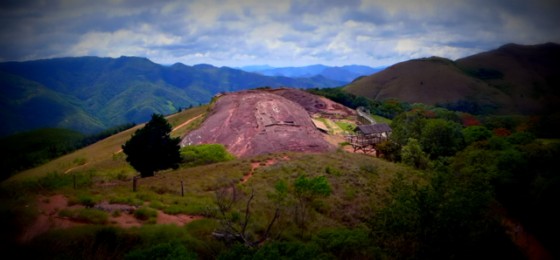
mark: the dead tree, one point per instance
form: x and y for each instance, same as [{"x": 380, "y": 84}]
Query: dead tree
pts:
[{"x": 231, "y": 231}]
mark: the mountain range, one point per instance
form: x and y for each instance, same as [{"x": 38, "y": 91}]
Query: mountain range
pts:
[
  {"x": 344, "y": 74},
  {"x": 513, "y": 79},
  {"x": 89, "y": 94}
]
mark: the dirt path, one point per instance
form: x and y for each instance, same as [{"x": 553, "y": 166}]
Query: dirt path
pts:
[
  {"x": 48, "y": 218},
  {"x": 186, "y": 123},
  {"x": 75, "y": 167},
  {"x": 50, "y": 207},
  {"x": 256, "y": 165},
  {"x": 526, "y": 242}
]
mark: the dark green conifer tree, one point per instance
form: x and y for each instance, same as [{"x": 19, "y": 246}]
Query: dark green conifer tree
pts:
[{"x": 151, "y": 148}]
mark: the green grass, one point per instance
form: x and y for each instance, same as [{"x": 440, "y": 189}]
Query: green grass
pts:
[
  {"x": 346, "y": 126},
  {"x": 87, "y": 215},
  {"x": 194, "y": 155},
  {"x": 381, "y": 120}
]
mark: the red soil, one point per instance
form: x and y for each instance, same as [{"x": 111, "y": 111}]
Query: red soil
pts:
[{"x": 49, "y": 208}]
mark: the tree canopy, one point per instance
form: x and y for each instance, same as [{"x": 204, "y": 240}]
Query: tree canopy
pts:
[{"x": 151, "y": 148}]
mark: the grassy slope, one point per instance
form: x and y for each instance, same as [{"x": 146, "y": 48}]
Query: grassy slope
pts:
[
  {"x": 510, "y": 79},
  {"x": 101, "y": 156},
  {"x": 529, "y": 74},
  {"x": 430, "y": 81},
  {"x": 359, "y": 182}
]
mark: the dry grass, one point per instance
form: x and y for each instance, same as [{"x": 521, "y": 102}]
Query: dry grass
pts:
[
  {"x": 428, "y": 81},
  {"x": 104, "y": 157}
]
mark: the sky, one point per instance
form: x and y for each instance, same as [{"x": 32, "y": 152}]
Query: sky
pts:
[{"x": 273, "y": 32}]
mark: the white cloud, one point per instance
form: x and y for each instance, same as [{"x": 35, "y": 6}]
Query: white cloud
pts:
[{"x": 298, "y": 32}]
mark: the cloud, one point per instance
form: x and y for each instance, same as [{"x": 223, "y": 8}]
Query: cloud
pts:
[{"x": 280, "y": 33}]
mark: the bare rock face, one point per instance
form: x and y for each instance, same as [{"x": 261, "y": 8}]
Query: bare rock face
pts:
[
  {"x": 314, "y": 104},
  {"x": 257, "y": 122}
]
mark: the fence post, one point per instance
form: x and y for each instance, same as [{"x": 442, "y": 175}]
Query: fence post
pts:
[
  {"x": 182, "y": 190},
  {"x": 134, "y": 183}
]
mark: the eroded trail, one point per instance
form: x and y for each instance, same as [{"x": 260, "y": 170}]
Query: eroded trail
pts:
[
  {"x": 186, "y": 123},
  {"x": 256, "y": 165},
  {"x": 526, "y": 242}
]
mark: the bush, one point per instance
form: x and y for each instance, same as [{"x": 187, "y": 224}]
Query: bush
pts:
[
  {"x": 194, "y": 155},
  {"x": 346, "y": 243},
  {"x": 170, "y": 250},
  {"x": 290, "y": 250},
  {"x": 88, "y": 215},
  {"x": 145, "y": 213},
  {"x": 87, "y": 200}
]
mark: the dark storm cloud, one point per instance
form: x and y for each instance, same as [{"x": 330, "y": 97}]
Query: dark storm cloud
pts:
[{"x": 298, "y": 32}]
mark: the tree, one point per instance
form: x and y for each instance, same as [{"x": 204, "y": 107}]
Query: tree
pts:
[
  {"x": 234, "y": 227},
  {"x": 440, "y": 137},
  {"x": 476, "y": 133},
  {"x": 408, "y": 125},
  {"x": 151, "y": 148},
  {"x": 413, "y": 155}
]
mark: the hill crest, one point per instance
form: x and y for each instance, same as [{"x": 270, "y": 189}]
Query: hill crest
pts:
[{"x": 511, "y": 79}]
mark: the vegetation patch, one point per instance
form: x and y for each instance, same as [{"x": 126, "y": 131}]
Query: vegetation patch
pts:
[
  {"x": 195, "y": 155},
  {"x": 86, "y": 215},
  {"x": 145, "y": 213}
]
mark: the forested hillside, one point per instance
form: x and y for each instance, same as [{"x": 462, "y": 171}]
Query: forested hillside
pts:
[{"x": 89, "y": 94}]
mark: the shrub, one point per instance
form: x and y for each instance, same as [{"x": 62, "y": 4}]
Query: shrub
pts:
[
  {"x": 88, "y": 215},
  {"x": 145, "y": 213},
  {"x": 333, "y": 171},
  {"x": 290, "y": 250},
  {"x": 170, "y": 250},
  {"x": 194, "y": 155},
  {"x": 345, "y": 243}
]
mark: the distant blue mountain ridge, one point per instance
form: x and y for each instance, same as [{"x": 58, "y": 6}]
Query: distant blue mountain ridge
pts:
[{"x": 344, "y": 74}]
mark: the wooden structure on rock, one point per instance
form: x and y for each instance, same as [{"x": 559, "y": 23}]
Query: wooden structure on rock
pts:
[{"x": 368, "y": 136}]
